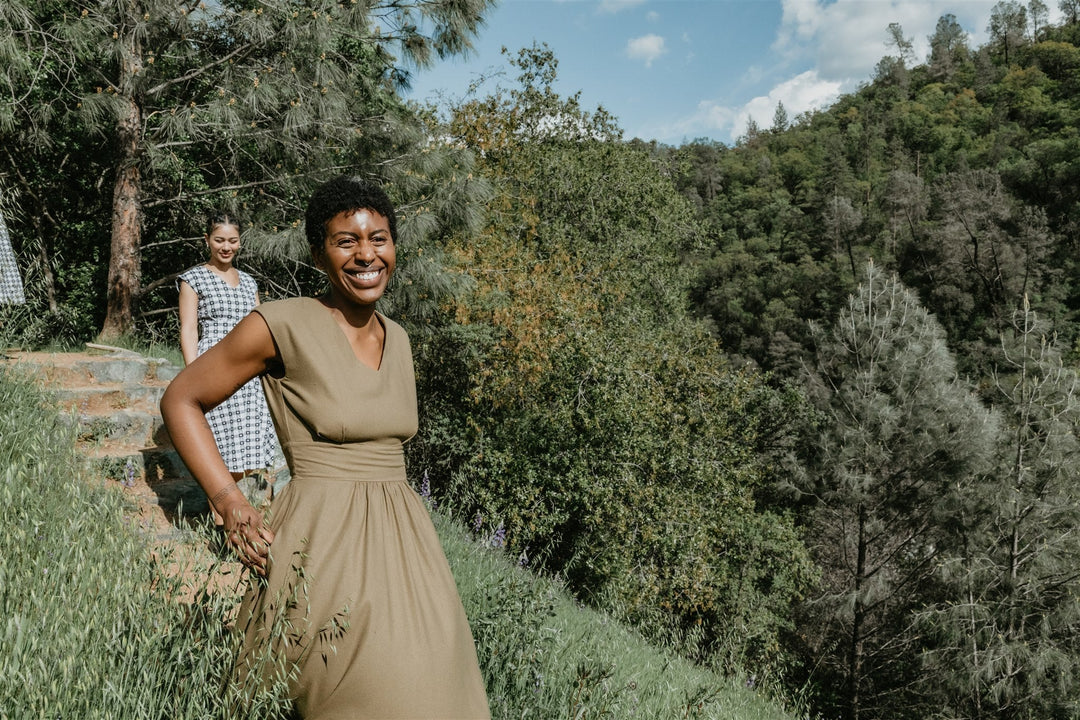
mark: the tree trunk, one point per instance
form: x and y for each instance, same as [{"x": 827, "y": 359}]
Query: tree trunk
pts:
[
  {"x": 976, "y": 659},
  {"x": 125, "y": 266},
  {"x": 47, "y": 275},
  {"x": 855, "y": 651}
]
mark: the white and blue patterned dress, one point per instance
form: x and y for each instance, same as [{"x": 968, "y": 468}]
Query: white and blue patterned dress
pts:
[
  {"x": 242, "y": 426},
  {"x": 11, "y": 287}
]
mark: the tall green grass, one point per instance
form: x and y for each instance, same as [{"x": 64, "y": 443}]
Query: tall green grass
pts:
[
  {"x": 92, "y": 623},
  {"x": 544, "y": 656},
  {"x": 96, "y": 623}
]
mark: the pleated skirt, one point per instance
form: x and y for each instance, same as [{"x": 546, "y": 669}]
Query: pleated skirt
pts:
[{"x": 360, "y": 602}]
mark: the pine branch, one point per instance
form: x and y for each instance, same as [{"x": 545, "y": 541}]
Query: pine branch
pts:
[
  {"x": 167, "y": 242},
  {"x": 239, "y": 52},
  {"x": 182, "y": 196}
]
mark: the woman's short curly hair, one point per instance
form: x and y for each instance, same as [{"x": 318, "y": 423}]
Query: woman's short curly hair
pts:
[{"x": 345, "y": 193}]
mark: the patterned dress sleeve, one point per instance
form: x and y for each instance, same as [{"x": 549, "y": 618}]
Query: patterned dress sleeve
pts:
[{"x": 190, "y": 276}]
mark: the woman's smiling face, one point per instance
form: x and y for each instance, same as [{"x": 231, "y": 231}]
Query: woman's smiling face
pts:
[
  {"x": 223, "y": 240},
  {"x": 358, "y": 256}
]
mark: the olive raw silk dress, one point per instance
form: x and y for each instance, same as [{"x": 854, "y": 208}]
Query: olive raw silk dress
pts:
[{"x": 376, "y": 625}]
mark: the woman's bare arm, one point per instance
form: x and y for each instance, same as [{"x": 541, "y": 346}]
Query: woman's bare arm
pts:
[
  {"x": 189, "y": 323},
  {"x": 207, "y": 381}
]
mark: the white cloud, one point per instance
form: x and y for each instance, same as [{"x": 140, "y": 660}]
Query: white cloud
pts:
[
  {"x": 647, "y": 48},
  {"x": 802, "y": 93},
  {"x": 845, "y": 39},
  {"x": 799, "y": 94},
  {"x": 710, "y": 119},
  {"x": 614, "y": 6}
]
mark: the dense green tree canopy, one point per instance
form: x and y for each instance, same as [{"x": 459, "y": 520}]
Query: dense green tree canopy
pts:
[
  {"x": 959, "y": 179},
  {"x": 228, "y": 103},
  {"x": 604, "y": 430}
]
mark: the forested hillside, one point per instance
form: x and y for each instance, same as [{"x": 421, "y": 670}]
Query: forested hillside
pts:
[
  {"x": 959, "y": 174},
  {"x": 803, "y": 407},
  {"x": 909, "y": 258}
]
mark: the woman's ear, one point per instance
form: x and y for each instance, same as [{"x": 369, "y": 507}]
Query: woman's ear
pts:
[{"x": 316, "y": 259}]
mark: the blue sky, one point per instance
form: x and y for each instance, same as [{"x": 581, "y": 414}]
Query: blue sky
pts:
[{"x": 675, "y": 70}]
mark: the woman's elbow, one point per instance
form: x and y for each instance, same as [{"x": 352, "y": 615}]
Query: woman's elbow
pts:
[
  {"x": 177, "y": 397},
  {"x": 168, "y": 403}
]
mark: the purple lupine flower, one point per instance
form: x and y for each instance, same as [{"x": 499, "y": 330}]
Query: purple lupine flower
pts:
[
  {"x": 425, "y": 490},
  {"x": 498, "y": 540},
  {"x": 523, "y": 558},
  {"x": 478, "y": 522},
  {"x": 129, "y": 474}
]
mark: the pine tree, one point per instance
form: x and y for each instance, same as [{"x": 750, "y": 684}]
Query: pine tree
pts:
[
  {"x": 948, "y": 47},
  {"x": 246, "y": 98},
  {"x": 902, "y": 433},
  {"x": 1007, "y": 26},
  {"x": 1005, "y": 641}
]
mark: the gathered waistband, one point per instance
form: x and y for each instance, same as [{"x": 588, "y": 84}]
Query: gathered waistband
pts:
[{"x": 372, "y": 461}]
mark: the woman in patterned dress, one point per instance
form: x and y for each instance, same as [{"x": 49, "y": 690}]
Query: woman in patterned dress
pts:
[
  {"x": 214, "y": 297},
  {"x": 11, "y": 287}
]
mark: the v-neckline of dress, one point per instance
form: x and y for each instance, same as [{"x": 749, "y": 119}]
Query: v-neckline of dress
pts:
[
  {"x": 239, "y": 280},
  {"x": 343, "y": 339}
]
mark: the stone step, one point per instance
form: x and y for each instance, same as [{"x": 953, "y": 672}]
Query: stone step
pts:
[
  {"x": 135, "y": 427},
  {"x": 160, "y": 469},
  {"x": 122, "y": 370},
  {"x": 100, "y": 399},
  {"x": 181, "y": 497},
  {"x": 154, "y": 464},
  {"x": 122, "y": 367},
  {"x": 111, "y": 396},
  {"x": 169, "y": 482}
]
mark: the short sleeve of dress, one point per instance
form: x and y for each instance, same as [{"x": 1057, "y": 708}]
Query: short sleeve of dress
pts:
[
  {"x": 277, "y": 315},
  {"x": 284, "y": 321},
  {"x": 191, "y": 277}
]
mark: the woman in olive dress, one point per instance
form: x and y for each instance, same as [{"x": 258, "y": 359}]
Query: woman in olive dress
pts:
[{"x": 349, "y": 554}]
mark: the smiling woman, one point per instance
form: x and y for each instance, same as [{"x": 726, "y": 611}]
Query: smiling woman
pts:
[
  {"x": 214, "y": 297},
  {"x": 351, "y": 561},
  {"x": 358, "y": 258}
]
